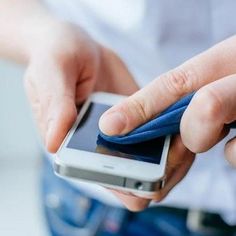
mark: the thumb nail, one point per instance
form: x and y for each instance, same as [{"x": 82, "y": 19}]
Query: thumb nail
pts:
[{"x": 112, "y": 123}]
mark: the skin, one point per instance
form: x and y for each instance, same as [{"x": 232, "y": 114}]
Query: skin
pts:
[
  {"x": 212, "y": 74},
  {"x": 64, "y": 65}
]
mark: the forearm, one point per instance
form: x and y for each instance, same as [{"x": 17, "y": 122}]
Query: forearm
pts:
[{"x": 21, "y": 21}]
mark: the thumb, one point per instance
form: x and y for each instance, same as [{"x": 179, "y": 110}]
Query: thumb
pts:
[{"x": 170, "y": 87}]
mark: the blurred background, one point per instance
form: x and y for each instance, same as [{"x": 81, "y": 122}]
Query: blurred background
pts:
[{"x": 20, "y": 209}]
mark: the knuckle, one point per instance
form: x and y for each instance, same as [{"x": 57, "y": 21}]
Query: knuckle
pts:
[
  {"x": 31, "y": 90},
  {"x": 138, "y": 106},
  {"x": 179, "y": 81},
  {"x": 65, "y": 58},
  {"x": 46, "y": 103},
  {"x": 210, "y": 101}
]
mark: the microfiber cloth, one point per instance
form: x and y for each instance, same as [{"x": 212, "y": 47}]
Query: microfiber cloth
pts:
[{"x": 165, "y": 123}]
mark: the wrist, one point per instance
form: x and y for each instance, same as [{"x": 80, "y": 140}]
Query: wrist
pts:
[
  {"x": 40, "y": 35},
  {"x": 16, "y": 39}
]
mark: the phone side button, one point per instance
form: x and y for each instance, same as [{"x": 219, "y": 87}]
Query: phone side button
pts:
[{"x": 139, "y": 185}]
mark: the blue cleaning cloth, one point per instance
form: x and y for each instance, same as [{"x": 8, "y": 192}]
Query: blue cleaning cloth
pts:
[{"x": 165, "y": 123}]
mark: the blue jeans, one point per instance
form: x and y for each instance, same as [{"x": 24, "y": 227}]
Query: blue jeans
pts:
[{"x": 69, "y": 212}]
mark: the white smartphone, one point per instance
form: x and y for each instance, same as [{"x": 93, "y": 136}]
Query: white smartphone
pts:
[{"x": 84, "y": 155}]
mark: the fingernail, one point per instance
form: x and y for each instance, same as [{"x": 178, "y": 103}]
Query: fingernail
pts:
[{"x": 112, "y": 123}]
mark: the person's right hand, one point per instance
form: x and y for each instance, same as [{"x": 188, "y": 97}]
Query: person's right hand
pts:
[{"x": 65, "y": 65}]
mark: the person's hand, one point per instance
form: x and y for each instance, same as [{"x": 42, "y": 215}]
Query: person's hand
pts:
[
  {"x": 204, "y": 123},
  {"x": 179, "y": 161},
  {"x": 65, "y": 66}
]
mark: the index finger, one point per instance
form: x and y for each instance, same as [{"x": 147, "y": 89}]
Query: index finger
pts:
[{"x": 142, "y": 106}]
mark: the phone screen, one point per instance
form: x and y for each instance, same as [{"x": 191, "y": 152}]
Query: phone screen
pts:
[{"x": 86, "y": 137}]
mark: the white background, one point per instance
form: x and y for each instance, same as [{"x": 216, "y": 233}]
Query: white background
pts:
[{"x": 20, "y": 206}]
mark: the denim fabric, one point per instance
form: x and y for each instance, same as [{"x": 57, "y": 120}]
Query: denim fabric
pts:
[
  {"x": 166, "y": 123},
  {"x": 70, "y": 212}
]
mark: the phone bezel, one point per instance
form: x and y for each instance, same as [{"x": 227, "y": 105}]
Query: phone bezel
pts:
[{"x": 109, "y": 164}]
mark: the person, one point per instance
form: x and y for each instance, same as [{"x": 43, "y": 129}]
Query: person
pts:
[{"x": 72, "y": 48}]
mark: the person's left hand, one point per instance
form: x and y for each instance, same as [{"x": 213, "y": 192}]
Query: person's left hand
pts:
[{"x": 205, "y": 121}]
